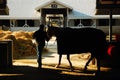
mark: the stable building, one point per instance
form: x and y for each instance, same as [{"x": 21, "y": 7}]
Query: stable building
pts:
[{"x": 28, "y": 14}]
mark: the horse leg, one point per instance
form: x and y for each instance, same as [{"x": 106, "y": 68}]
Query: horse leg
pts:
[
  {"x": 68, "y": 58},
  {"x": 98, "y": 65},
  {"x": 60, "y": 56},
  {"x": 85, "y": 68}
]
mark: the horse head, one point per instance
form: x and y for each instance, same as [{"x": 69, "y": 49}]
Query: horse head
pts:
[{"x": 51, "y": 31}]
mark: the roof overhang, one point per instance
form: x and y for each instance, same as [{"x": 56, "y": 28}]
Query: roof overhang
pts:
[
  {"x": 78, "y": 15},
  {"x": 53, "y": 2}
]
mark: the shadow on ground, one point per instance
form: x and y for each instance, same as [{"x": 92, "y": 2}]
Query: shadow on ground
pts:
[{"x": 32, "y": 73}]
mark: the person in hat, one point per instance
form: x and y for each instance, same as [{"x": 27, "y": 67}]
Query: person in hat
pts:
[{"x": 40, "y": 36}]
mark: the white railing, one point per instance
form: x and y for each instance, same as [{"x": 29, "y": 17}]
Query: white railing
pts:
[
  {"x": 81, "y": 26},
  {"x": 24, "y": 28}
]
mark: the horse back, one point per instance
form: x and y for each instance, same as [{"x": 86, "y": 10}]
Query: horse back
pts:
[{"x": 72, "y": 41}]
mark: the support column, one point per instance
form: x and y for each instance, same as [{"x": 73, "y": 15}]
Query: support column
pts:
[
  {"x": 43, "y": 20},
  {"x": 65, "y": 21},
  {"x": 110, "y": 26}
]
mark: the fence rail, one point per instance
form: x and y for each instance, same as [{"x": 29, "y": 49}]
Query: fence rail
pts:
[{"x": 24, "y": 28}]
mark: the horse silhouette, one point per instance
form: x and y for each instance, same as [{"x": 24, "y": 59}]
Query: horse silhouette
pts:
[{"x": 72, "y": 41}]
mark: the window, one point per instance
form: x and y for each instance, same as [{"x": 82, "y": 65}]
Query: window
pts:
[
  {"x": 86, "y": 22},
  {"x": 4, "y": 22},
  {"x": 20, "y": 23},
  {"x": 103, "y": 22},
  {"x": 2, "y": 4},
  {"x": 30, "y": 23},
  {"x": 2, "y": 1},
  {"x": 77, "y": 22}
]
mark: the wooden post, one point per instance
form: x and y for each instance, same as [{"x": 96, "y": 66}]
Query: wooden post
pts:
[{"x": 110, "y": 26}]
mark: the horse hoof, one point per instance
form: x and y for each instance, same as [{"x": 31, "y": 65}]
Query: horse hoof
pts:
[
  {"x": 85, "y": 69},
  {"x": 72, "y": 68},
  {"x": 57, "y": 66}
]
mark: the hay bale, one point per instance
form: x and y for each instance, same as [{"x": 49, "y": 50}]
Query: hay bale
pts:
[
  {"x": 4, "y": 33},
  {"x": 9, "y": 36},
  {"x": 22, "y": 43},
  {"x": 25, "y": 45},
  {"x": 22, "y": 34}
]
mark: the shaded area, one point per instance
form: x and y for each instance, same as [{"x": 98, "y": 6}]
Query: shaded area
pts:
[
  {"x": 31, "y": 73},
  {"x": 46, "y": 73}
]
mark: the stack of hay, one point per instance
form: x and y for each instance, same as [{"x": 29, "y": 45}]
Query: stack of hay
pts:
[{"x": 22, "y": 42}]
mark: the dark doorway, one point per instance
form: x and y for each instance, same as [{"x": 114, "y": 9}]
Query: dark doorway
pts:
[{"x": 53, "y": 12}]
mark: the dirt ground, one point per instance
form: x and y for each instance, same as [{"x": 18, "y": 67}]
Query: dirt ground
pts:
[{"x": 25, "y": 68}]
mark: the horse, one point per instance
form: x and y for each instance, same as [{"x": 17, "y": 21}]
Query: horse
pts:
[{"x": 72, "y": 41}]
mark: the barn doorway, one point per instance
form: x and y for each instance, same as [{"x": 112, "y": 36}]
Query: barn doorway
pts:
[
  {"x": 56, "y": 17},
  {"x": 55, "y": 20}
]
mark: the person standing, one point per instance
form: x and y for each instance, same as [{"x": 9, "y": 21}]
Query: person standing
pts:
[{"x": 40, "y": 36}]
